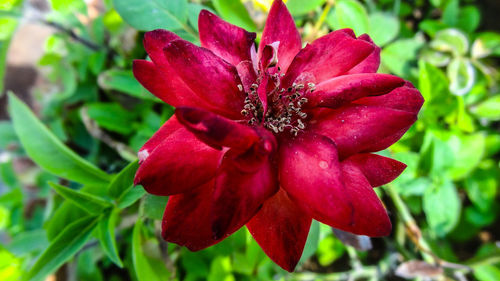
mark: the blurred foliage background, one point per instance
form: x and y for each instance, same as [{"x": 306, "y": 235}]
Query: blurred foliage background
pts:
[{"x": 68, "y": 210}]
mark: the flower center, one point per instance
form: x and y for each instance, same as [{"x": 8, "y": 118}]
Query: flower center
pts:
[{"x": 284, "y": 105}]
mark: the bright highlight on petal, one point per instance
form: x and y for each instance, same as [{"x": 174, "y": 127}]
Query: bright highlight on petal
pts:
[{"x": 272, "y": 136}]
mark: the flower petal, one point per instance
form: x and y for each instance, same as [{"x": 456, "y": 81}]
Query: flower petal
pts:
[
  {"x": 280, "y": 27},
  {"x": 369, "y": 215},
  {"x": 378, "y": 170},
  {"x": 165, "y": 84},
  {"x": 359, "y": 128},
  {"x": 310, "y": 174},
  {"x": 239, "y": 194},
  {"x": 216, "y": 130},
  {"x": 228, "y": 41},
  {"x": 371, "y": 63},
  {"x": 154, "y": 42},
  {"x": 207, "y": 74},
  {"x": 168, "y": 171},
  {"x": 338, "y": 91},
  {"x": 187, "y": 219},
  {"x": 166, "y": 129},
  {"x": 281, "y": 228},
  {"x": 329, "y": 56},
  {"x": 405, "y": 98}
]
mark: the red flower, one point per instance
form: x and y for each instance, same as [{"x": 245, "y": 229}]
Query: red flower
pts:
[{"x": 271, "y": 138}]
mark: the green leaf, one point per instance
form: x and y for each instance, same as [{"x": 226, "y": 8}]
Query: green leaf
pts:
[
  {"x": 329, "y": 250},
  {"x": 481, "y": 188},
  {"x": 399, "y": 55},
  {"x": 486, "y": 44},
  {"x": 451, "y": 12},
  {"x": 85, "y": 201},
  {"x": 432, "y": 82},
  {"x": 67, "y": 6},
  {"x": 147, "y": 15},
  {"x": 451, "y": 40},
  {"x": 64, "y": 247},
  {"x": 434, "y": 57},
  {"x": 235, "y": 12},
  {"x": 468, "y": 150},
  {"x": 300, "y": 7},
  {"x": 462, "y": 76},
  {"x": 111, "y": 116},
  {"x": 193, "y": 13},
  {"x": 383, "y": 28},
  {"x": 487, "y": 273},
  {"x": 106, "y": 234},
  {"x": 131, "y": 196},
  {"x": 312, "y": 242},
  {"x": 351, "y": 14},
  {"x": 469, "y": 18},
  {"x": 489, "y": 109},
  {"x": 124, "y": 81},
  {"x": 7, "y": 133},
  {"x": 4, "y": 47},
  {"x": 47, "y": 151},
  {"x": 442, "y": 207},
  {"x": 123, "y": 181},
  {"x": 153, "y": 206},
  {"x": 28, "y": 242},
  {"x": 147, "y": 267}
]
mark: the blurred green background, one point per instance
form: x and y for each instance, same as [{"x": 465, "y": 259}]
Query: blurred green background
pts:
[{"x": 68, "y": 210}]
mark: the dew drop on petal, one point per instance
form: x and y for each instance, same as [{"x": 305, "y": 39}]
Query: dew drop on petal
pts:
[{"x": 323, "y": 164}]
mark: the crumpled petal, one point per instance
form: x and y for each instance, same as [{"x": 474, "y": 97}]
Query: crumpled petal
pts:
[
  {"x": 208, "y": 75},
  {"x": 371, "y": 63},
  {"x": 239, "y": 193},
  {"x": 329, "y": 56},
  {"x": 338, "y": 91},
  {"x": 357, "y": 128},
  {"x": 280, "y": 27},
  {"x": 168, "y": 171},
  {"x": 310, "y": 173},
  {"x": 215, "y": 130},
  {"x": 187, "y": 219},
  {"x": 369, "y": 216},
  {"x": 227, "y": 41},
  {"x": 281, "y": 228},
  {"x": 378, "y": 170}
]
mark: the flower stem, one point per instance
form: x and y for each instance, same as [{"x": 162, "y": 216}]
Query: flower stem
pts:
[
  {"x": 324, "y": 14},
  {"x": 411, "y": 226}
]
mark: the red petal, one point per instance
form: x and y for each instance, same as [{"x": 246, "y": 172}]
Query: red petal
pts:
[
  {"x": 371, "y": 63},
  {"x": 281, "y": 228},
  {"x": 238, "y": 193},
  {"x": 164, "y": 83},
  {"x": 228, "y": 41},
  {"x": 166, "y": 129},
  {"x": 369, "y": 216},
  {"x": 340, "y": 90},
  {"x": 310, "y": 173},
  {"x": 167, "y": 170},
  {"x": 405, "y": 98},
  {"x": 327, "y": 57},
  {"x": 359, "y": 128},
  {"x": 154, "y": 42},
  {"x": 378, "y": 170},
  {"x": 216, "y": 130},
  {"x": 208, "y": 75},
  {"x": 187, "y": 219},
  {"x": 280, "y": 27}
]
